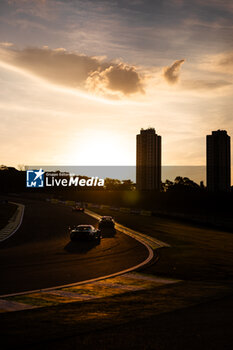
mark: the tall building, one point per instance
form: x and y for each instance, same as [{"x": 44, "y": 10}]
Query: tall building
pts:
[
  {"x": 218, "y": 161},
  {"x": 148, "y": 170}
]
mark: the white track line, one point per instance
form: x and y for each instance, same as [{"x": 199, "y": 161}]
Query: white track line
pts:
[{"x": 5, "y": 234}]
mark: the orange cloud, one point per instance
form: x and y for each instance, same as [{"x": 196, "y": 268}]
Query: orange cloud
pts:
[
  {"x": 220, "y": 63},
  {"x": 117, "y": 78},
  {"x": 225, "y": 62},
  {"x": 76, "y": 70},
  {"x": 206, "y": 85},
  {"x": 171, "y": 73},
  {"x": 6, "y": 44}
]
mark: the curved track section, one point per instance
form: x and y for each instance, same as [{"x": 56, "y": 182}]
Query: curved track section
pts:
[{"x": 40, "y": 254}]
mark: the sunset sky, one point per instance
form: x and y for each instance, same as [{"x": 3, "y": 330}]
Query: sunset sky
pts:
[{"x": 80, "y": 78}]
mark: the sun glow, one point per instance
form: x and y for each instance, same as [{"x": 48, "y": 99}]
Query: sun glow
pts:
[{"x": 97, "y": 148}]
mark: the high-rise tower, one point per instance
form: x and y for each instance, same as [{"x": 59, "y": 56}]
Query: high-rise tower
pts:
[
  {"x": 218, "y": 161},
  {"x": 148, "y": 171}
]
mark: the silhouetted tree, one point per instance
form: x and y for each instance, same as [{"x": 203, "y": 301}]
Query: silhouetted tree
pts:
[
  {"x": 180, "y": 184},
  {"x": 127, "y": 185},
  {"x": 111, "y": 184},
  {"x": 115, "y": 184},
  {"x": 165, "y": 186}
]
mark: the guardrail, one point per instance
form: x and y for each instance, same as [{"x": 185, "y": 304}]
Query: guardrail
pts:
[
  {"x": 213, "y": 221},
  {"x": 104, "y": 206}
]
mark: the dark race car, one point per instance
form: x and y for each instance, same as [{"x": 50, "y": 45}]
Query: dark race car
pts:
[
  {"x": 107, "y": 225},
  {"x": 85, "y": 233},
  {"x": 78, "y": 208}
]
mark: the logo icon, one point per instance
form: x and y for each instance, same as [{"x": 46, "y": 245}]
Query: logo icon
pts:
[{"x": 35, "y": 178}]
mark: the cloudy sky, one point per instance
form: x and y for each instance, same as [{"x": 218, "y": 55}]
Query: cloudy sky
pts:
[{"x": 80, "y": 78}]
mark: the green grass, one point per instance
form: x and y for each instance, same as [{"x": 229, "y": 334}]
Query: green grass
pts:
[{"x": 6, "y": 212}]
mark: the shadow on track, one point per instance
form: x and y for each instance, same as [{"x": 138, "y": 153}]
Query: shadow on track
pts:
[
  {"x": 80, "y": 247},
  {"x": 108, "y": 233}
]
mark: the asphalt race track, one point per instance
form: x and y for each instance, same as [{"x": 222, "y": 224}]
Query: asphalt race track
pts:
[{"x": 40, "y": 254}]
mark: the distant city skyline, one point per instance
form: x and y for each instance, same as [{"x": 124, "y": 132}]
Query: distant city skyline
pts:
[
  {"x": 150, "y": 171},
  {"x": 149, "y": 165}
]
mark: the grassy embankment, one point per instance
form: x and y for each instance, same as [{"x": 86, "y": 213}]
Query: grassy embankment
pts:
[{"x": 196, "y": 253}]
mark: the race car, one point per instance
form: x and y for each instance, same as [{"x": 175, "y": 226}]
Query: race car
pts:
[
  {"x": 78, "y": 208},
  {"x": 85, "y": 232},
  {"x": 106, "y": 222}
]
